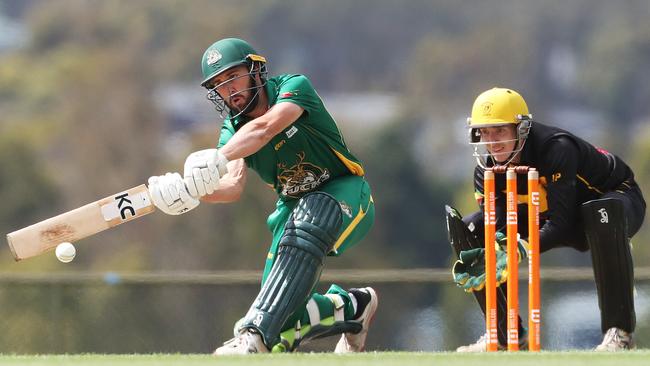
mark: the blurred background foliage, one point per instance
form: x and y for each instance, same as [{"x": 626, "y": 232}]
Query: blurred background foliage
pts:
[{"x": 96, "y": 96}]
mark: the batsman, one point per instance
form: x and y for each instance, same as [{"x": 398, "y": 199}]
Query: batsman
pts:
[
  {"x": 279, "y": 127},
  {"x": 589, "y": 201}
]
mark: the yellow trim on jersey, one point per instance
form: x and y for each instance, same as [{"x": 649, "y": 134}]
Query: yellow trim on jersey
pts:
[
  {"x": 355, "y": 168},
  {"x": 523, "y": 198},
  {"x": 587, "y": 184},
  {"x": 543, "y": 203},
  {"x": 351, "y": 227}
]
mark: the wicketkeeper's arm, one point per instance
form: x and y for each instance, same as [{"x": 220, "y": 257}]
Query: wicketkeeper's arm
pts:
[{"x": 561, "y": 215}]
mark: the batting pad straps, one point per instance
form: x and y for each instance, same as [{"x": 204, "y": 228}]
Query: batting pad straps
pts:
[
  {"x": 339, "y": 304},
  {"x": 309, "y": 234}
]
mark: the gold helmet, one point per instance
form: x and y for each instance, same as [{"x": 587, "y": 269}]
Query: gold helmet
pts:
[{"x": 498, "y": 107}]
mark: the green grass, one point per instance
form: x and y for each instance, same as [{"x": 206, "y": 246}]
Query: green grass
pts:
[{"x": 372, "y": 358}]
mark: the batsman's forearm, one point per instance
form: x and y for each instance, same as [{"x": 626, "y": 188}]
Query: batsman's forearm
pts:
[
  {"x": 227, "y": 192},
  {"x": 247, "y": 141},
  {"x": 231, "y": 185},
  {"x": 258, "y": 132}
]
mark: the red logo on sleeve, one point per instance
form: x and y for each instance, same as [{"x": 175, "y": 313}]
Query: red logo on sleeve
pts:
[
  {"x": 602, "y": 151},
  {"x": 288, "y": 94}
]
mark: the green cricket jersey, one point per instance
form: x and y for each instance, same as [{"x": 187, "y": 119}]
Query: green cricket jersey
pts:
[{"x": 308, "y": 153}]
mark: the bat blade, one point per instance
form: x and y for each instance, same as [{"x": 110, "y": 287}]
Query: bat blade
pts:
[{"x": 81, "y": 222}]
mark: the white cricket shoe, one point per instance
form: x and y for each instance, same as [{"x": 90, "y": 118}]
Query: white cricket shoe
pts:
[
  {"x": 616, "y": 340},
  {"x": 481, "y": 345},
  {"x": 247, "y": 342},
  {"x": 356, "y": 342}
]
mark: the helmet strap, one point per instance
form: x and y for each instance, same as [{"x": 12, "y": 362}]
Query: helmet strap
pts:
[{"x": 255, "y": 100}]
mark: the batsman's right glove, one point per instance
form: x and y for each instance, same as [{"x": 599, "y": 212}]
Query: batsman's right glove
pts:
[{"x": 169, "y": 193}]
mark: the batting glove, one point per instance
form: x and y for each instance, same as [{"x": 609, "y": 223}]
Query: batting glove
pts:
[
  {"x": 202, "y": 171},
  {"x": 169, "y": 193}
]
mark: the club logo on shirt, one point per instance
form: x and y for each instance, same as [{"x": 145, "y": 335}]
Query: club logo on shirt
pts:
[{"x": 301, "y": 178}]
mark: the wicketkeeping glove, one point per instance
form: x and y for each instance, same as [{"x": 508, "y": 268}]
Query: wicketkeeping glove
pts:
[
  {"x": 522, "y": 245},
  {"x": 469, "y": 270}
]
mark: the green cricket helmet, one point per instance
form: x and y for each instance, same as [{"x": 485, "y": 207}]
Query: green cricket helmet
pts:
[{"x": 224, "y": 55}]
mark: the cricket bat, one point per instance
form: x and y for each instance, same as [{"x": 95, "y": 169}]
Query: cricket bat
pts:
[{"x": 81, "y": 222}]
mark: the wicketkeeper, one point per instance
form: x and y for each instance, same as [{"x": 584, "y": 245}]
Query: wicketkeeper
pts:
[
  {"x": 279, "y": 127},
  {"x": 589, "y": 201}
]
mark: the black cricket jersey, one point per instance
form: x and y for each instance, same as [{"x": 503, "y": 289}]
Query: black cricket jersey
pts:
[{"x": 571, "y": 170}]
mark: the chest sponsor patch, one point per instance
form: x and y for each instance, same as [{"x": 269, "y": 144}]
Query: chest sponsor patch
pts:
[{"x": 292, "y": 131}]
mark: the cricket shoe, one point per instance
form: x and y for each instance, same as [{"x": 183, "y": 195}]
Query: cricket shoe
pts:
[
  {"x": 367, "y": 301},
  {"x": 481, "y": 345},
  {"x": 247, "y": 342},
  {"x": 616, "y": 340}
]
